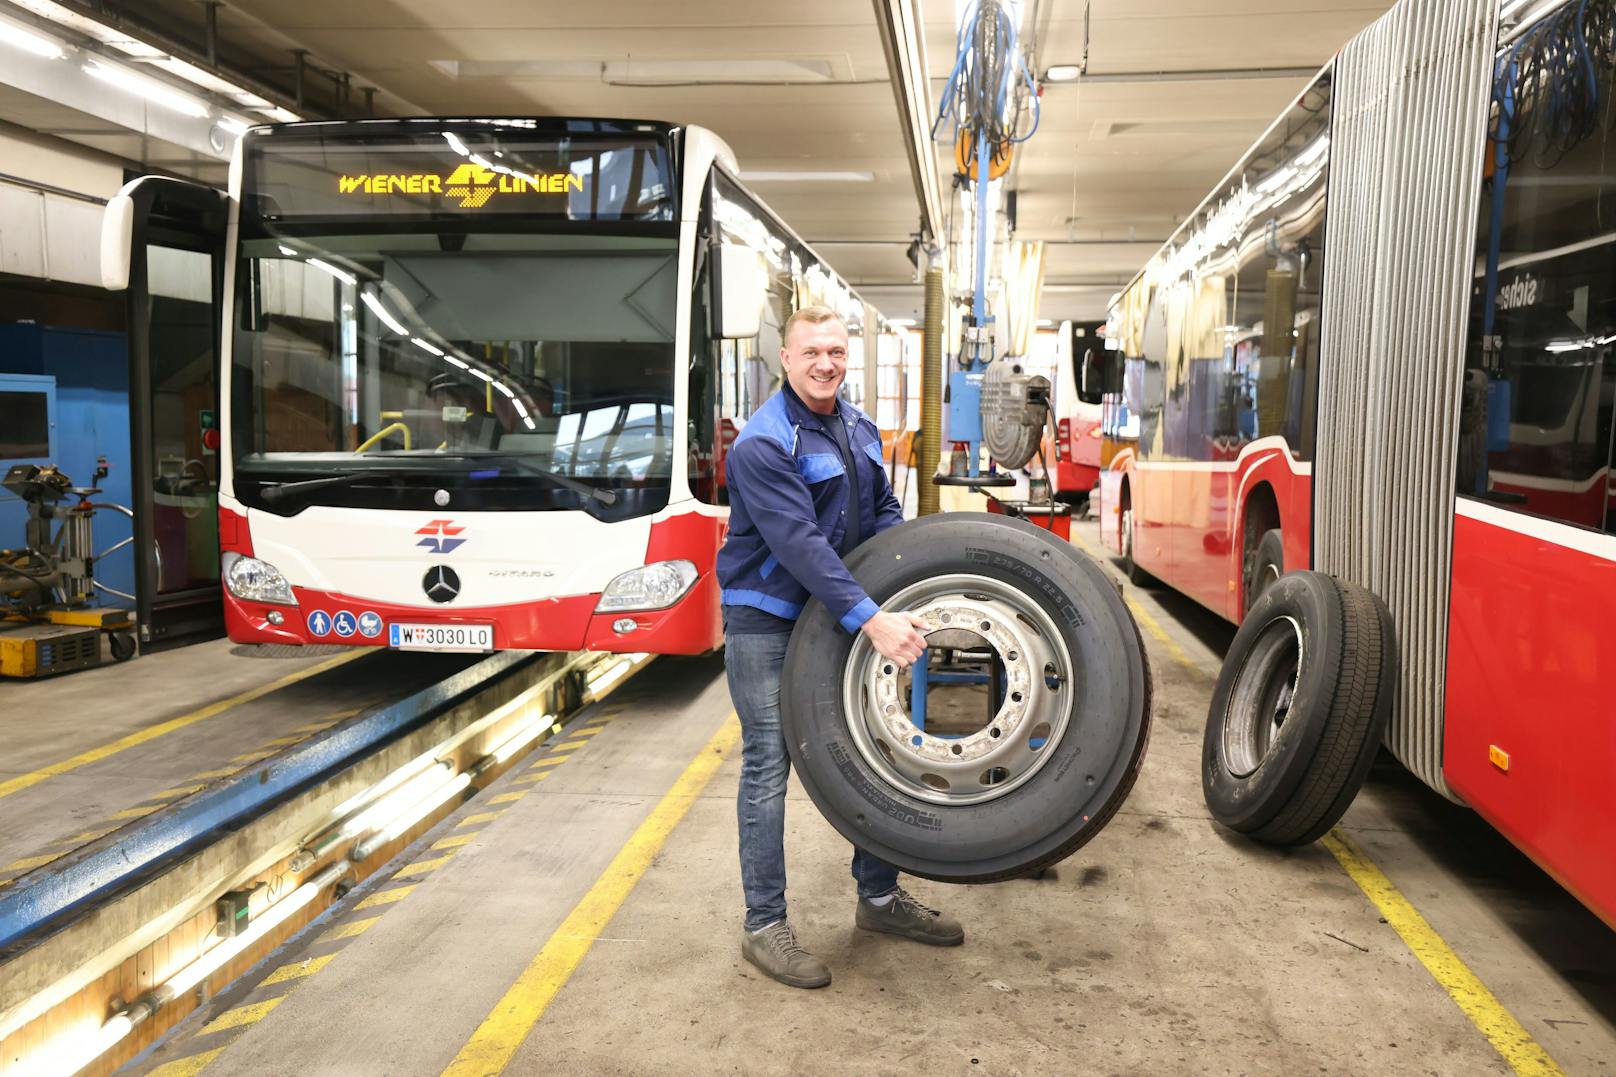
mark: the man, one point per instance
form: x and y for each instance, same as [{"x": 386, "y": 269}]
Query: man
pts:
[{"x": 806, "y": 486}]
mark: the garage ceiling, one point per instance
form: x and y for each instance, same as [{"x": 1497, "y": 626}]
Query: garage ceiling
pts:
[{"x": 1114, "y": 166}]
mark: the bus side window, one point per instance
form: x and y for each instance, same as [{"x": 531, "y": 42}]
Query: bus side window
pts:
[
  {"x": 706, "y": 391},
  {"x": 1535, "y": 426}
]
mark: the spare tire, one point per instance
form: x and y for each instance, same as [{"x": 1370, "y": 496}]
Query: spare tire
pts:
[
  {"x": 1299, "y": 709},
  {"x": 1056, "y": 760}
]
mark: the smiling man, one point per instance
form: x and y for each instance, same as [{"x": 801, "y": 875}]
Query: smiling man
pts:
[{"x": 806, "y": 487}]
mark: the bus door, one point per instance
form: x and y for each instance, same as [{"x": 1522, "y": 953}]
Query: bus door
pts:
[{"x": 163, "y": 243}]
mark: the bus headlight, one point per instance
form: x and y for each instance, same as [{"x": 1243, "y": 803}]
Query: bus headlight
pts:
[
  {"x": 649, "y": 587},
  {"x": 255, "y": 580}
]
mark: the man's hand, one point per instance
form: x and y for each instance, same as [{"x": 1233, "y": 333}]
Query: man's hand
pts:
[{"x": 897, "y": 636}]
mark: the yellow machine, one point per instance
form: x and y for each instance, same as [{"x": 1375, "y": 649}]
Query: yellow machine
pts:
[{"x": 47, "y": 625}]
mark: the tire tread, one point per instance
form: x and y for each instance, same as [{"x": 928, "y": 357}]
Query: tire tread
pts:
[{"x": 1358, "y": 710}]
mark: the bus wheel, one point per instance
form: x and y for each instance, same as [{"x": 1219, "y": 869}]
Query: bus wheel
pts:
[
  {"x": 1032, "y": 780},
  {"x": 1267, "y": 565},
  {"x": 1130, "y": 568},
  {"x": 1299, "y": 709}
]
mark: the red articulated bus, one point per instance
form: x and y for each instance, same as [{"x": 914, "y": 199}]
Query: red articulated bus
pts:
[{"x": 1385, "y": 348}]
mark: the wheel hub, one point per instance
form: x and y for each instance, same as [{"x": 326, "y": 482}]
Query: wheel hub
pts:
[{"x": 1033, "y": 716}]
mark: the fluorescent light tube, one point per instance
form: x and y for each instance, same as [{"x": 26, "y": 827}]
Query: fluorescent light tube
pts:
[
  {"x": 808, "y": 177},
  {"x": 380, "y": 311},
  {"x": 155, "y": 92},
  {"x": 18, "y": 38},
  {"x": 342, "y": 275}
]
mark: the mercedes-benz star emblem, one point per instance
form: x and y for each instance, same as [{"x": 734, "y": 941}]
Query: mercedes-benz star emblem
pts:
[{"x": 440, "y": 583}]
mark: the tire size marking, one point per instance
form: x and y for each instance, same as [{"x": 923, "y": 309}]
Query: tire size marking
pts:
[
  {"x": 994, "y": 559},
  {"x": 874, "y": 794}
]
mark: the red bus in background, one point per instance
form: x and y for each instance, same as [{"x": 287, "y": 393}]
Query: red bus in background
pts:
[
  {"x": 1075, "y": 452},
  {"x": 1501, "y": 585}
]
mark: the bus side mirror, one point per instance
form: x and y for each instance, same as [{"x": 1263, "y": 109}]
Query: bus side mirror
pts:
[
  {"x": 1091, "y": 377},
  {"x": 743, "y": 287},
  {"x": 117, "y": 242}
]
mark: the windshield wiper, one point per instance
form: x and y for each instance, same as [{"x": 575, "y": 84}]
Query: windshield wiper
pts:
[
  {"x": 280, "y": 491},
  {"x": 582, "y": 489}
]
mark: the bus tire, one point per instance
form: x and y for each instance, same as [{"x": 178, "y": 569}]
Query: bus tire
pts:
[
  {"x": 1299, "y": 709},
  {"x": 1266, "y": 567},
  {"x": 1130, "y": 568},
  {"x": 1034, "y": 783}
]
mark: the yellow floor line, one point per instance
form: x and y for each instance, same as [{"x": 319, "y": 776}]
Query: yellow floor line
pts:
[
  {"x": 1155, "y": 629},
  {"x": 1508, "y": 1037},
  {"x": 422, "y": 867},
  {"x": 533, "y": 775},
  {"x": 298, "y": 969},
  {"x": 453, "y": 841},
  {"x": 571, "y": 746},
  {"x": 386, "y": 897},
  {"x": 507, "y": 798},
  {"x": 281, "y": 741},
  {"x": 551, "y": 760},
  {"x": 490, "y": 1048},
  {"x": 480, "y": 817},
  {"x": 187, "y": 1067},
  {"x": 241, "y": 1015},
  {"x": 171, "y": 794},
  {"x": 586, "y": 731},
  {"x": 249, "y": 757},
  {"x": 223, "y": 772},
  {"x": 212, "y": 710},
  {"x": 349, "y": 930},
  {"x": 29, "y": 863},
  {"x": 90, "y": 835},
  {"x": 135, "y": 813}
]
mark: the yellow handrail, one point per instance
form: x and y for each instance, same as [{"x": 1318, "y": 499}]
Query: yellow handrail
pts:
[{"x": 384, "y": 432}]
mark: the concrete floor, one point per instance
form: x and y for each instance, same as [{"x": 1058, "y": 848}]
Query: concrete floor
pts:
[
  {"x": 1165, "y": 946},
  {"x": 46, "y": 722}
]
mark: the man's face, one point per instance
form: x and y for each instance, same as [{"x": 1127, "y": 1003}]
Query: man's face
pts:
[{"x": 815, "y": 360}]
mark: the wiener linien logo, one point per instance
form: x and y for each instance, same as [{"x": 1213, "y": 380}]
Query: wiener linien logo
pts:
[{"x": 473, "y": 184}]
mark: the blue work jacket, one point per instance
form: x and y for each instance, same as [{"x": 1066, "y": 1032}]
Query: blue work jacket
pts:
[{"x": 788, "y": 510}]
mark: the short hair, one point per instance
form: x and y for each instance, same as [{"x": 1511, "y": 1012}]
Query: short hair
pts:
[{"x": 813, "y": 315}]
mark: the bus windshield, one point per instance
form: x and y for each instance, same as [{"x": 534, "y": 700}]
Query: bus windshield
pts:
[{"x": 456, "y": 330}]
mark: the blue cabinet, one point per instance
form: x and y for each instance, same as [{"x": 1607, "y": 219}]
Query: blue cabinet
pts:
[{"x": 88, "y": 374}]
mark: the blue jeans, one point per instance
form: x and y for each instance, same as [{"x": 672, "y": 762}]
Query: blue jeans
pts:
[{"x": 752, "y": 664}]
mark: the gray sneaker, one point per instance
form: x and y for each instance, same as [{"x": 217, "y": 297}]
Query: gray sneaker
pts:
[
  {"x": 907, "y": 918},
  {"x": 775, "y": 952}
]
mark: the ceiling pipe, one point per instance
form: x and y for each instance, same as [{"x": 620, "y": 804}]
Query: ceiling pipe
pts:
[{"x": 905, "y": 49}]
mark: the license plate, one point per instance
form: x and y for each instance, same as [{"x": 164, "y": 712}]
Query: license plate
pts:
[{"x": 407, "y": 637}]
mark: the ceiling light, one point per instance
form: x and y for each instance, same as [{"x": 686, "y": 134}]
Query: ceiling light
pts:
[
  {"x": 342, "y": 275},
  {"x": 901, "y": 323},
  {"x": 18, "y": 38},
  {"x": 808, "y": 177},
  {"x": 377, "y": 309},
  {"x": 155, "y": 92},
  {"x": 1063, "y": 73}
]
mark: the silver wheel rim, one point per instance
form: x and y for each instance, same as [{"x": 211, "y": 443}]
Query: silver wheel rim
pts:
[
  {"x": 1261, "y": 698},
  {"x": 1127, "y": 534},
  {"x": 998, "y": 758}
]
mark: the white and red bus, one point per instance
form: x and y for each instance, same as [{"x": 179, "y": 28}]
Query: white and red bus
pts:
[
  {"x": 1078, "y": 393},
  {"x": 477, "y": 376},
  {"x": 1413, "y": 390}
]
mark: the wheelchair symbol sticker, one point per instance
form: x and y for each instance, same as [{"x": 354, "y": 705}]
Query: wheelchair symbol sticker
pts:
[{"x": 344, "y": 624}]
